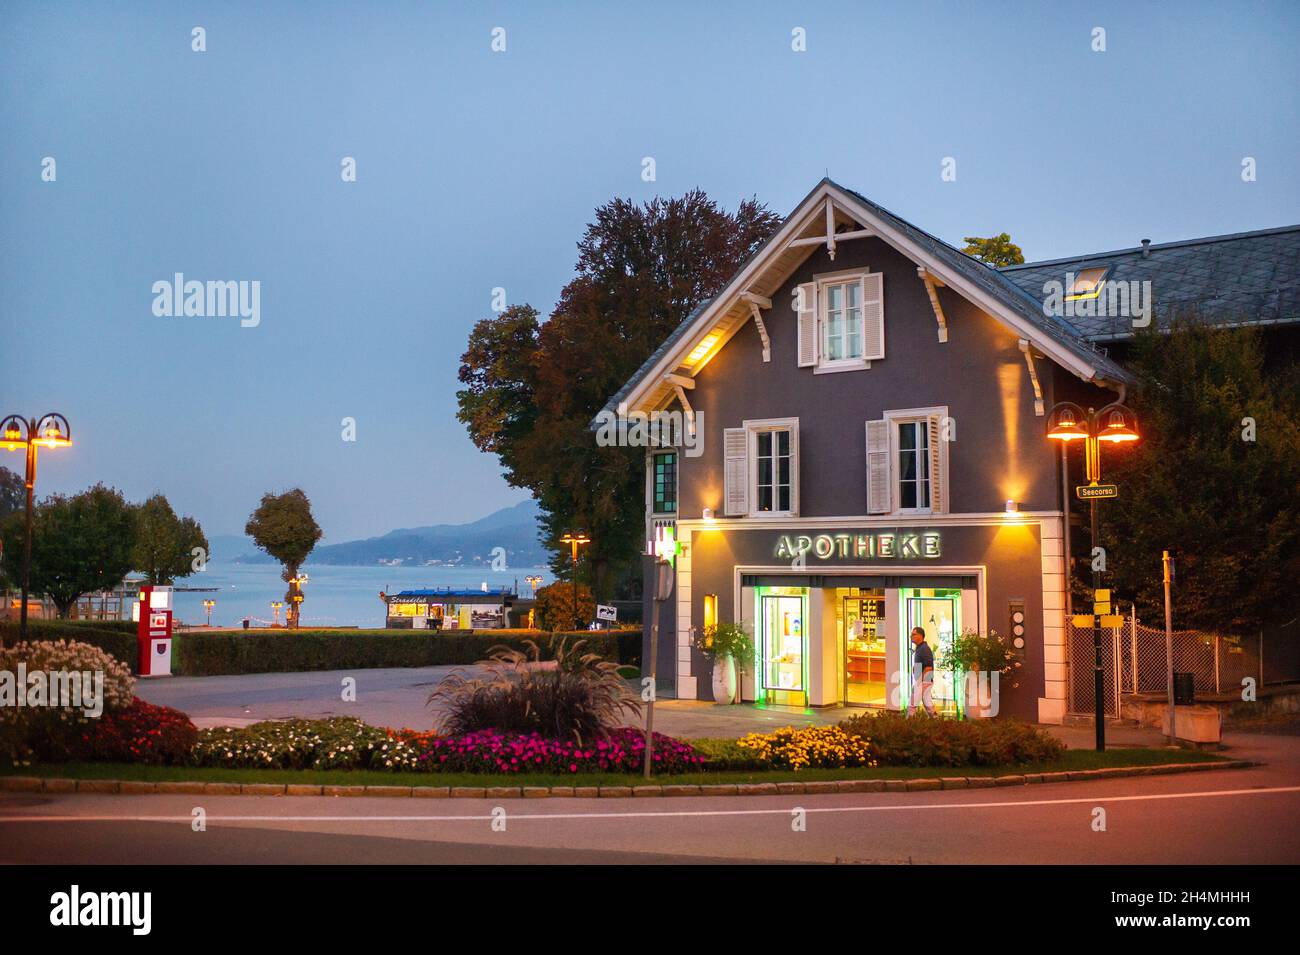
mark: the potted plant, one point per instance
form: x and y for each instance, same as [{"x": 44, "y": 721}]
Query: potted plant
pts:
[
  {"x": 977, "y": 654},
  {"x": 731, "y": 649}
]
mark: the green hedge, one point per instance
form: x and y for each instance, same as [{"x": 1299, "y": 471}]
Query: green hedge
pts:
[
  {"x": 112, "y": 636},
  {"x": 232, "y": 652},
  {"x": 222, "y": 652}
]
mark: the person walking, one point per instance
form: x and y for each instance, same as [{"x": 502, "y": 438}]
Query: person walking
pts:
[{"x": 922, "y": 674}]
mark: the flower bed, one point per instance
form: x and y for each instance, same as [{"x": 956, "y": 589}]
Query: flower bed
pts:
[
  {"x": 623, "y": 751},
  {"x": 346, "y": 743},
  {"x": 140, "y": 733},
  {"x": 820, "y": 747}
]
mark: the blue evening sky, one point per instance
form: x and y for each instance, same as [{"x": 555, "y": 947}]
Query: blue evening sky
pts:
[{"x": 479, "y": 169}]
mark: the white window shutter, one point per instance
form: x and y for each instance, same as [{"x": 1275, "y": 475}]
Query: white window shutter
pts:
[
  {"x": 938, "y": 465},
  {"x": 873, "y": 316},
  {"x": 735, "y": 453},
  {"x": 806, "y": 295},
  {"x": 878, "y": 469},
  {"x": 794, "y": 468}
]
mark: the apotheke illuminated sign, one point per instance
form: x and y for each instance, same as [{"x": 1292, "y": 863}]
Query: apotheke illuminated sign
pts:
[{"x": 884, "y": 545}]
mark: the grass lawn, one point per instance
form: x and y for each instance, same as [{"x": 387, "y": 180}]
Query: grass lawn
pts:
[{"x": 1075, "y": 759}]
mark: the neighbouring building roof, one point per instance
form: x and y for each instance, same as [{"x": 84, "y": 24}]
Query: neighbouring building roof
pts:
[{"x": 1244, "y": 278}]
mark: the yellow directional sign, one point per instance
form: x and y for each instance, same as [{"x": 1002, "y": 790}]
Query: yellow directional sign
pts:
[
  {"x": 1114, "y": 620},
  {"x": 1101, "y": 606},
  {"x": 1082, "y": 619},
  {"x": 1101, "y": 593}
]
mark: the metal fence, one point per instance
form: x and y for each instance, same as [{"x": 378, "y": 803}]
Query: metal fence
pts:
[{"x": 1133, "y": 661}]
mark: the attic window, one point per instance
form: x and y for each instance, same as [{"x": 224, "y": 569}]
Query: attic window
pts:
[{"x": 1087, "y": 284}]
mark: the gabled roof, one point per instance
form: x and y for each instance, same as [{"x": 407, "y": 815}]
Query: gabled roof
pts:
[
  {"x": 768, "y": 268},
  {"x": 1244, "y": 278}
]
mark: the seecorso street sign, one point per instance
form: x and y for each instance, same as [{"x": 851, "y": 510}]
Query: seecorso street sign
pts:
[{"x": 1097, "y": 492}]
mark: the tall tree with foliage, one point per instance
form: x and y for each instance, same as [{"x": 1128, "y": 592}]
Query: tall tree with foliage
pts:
[
  {"x": 1213, "y": 479},
  {"x": 532, "y": 388},
  {"x": 80, "y": 545},
  {"x": 997, "y": 250},
  {"x": 283, "y": 526},
  {"x": 165, "y": 544}
]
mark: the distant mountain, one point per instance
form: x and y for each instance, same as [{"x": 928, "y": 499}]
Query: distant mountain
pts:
[{"x": 457, "y": 545}]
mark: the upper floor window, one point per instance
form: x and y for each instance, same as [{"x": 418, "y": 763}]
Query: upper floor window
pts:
[
  {"x": 772, "y": 470},
  {"x": 913, "y": 465},
  {"x": 841, "y": 321},
  {"x": 762, "y": 468},
  {"x": 664, "y": 481},
  {"x": 907, "y": 462}
]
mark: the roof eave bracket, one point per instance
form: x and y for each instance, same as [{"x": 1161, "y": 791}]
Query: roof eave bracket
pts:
[
  {"x": 931, "y": 282},
  {"x": 762, "y": 330},
  {"x": 1028, "y": 351}
]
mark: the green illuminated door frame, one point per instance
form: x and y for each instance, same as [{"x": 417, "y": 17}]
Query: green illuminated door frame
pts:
[
  {"x": 761, "y": 694},
  {"x": 905, "y": 596}
]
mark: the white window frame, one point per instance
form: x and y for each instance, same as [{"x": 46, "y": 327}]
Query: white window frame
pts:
[
  {"x": 824, "y": 282},
  {"x": 921, "y": 417},
  {"x": 752, "y": 430}
]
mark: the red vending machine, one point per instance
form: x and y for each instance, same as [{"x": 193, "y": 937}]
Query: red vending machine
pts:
[{"x": 153, "y": 613}]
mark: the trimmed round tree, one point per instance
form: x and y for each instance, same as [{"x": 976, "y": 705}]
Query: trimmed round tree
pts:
[{"x": 283, "y": 526}]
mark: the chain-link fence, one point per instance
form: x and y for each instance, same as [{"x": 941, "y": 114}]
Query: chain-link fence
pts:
[{"x": 1134, "y": 661}]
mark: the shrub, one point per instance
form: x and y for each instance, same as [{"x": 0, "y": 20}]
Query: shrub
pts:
[
  {"x": 339, "y": 743},
  {"x": 621, "y": 751},
  {"x": 898, "y": 740},
  {"x": 140, "y": 733},
  {"x": 292, "y": 651},
  {"x": 555, "y": 608},
  {"x": 115, "y": 637},
  {"x": 579, "y": 697},
  {"x": 817, "y": 747},
  {"x": 727, "y": 640},
  {"x": 50, "y": 732}
]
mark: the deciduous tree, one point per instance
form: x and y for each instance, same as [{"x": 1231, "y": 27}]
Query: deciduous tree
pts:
[
  {"x": 164, "y": 543},
  {"x": 283, "y": 526},
  {"x": 532, "y": 388},
  {"x": 998, "y": 250},
  {"x": 80, "y": 544},
  {"x": 1213, "y": 479}
]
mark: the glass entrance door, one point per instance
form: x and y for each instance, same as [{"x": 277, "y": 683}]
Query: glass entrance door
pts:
[
  {"x": 862, "y": 617},
  {"x": 784, "y": 663},
  {"x": 935, "y": 612}
]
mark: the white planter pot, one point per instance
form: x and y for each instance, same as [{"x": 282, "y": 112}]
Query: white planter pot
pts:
[
  {"x": 724, "y": 680},
  {"x": 975, "y": 709}
]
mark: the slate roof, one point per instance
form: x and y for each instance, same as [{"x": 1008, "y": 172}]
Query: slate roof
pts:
[{"x": 1246, "y": 277}]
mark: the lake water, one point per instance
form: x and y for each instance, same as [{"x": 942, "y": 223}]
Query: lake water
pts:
[{"x": 334, "y": 596}]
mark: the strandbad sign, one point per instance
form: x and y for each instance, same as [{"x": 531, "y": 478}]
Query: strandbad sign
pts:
[{"x": 884, "y": 545}]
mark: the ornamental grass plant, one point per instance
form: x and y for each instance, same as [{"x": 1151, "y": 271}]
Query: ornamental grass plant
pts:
[{"x": 577, "y": 697}]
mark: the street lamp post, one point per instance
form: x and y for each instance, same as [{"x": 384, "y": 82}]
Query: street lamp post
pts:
[
  {"x": 1115, "y": 424},
  {"x": 575, "y": 541},
  {"x": 663, "y": 590},
  {"x": 291, "y": 615},
  {"x": 207, "y": 606},
  {"x": 275, "y": 612},
  {"x": 533, "y": 580},
  {"x": 51, "y": 430}
]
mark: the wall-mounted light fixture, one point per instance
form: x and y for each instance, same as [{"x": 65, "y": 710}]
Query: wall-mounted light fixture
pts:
[
  {"x": 1012, "y": 508},
  {"x": 708, "y": 513}
]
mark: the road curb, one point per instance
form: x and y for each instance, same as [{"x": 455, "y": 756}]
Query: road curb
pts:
[{"x": 52, "y": 785}]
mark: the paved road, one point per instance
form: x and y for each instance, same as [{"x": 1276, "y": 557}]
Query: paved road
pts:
[{"x": 1235, "y": 816}]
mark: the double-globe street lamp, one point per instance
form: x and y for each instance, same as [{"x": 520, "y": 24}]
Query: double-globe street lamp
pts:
[
  {"x": 27, "y": 434},
  {"x": 1115, "y": 424}
]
